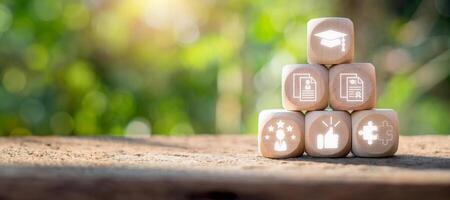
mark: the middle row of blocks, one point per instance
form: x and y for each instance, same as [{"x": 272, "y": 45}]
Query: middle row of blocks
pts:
[{"x": 307, "y": 87}]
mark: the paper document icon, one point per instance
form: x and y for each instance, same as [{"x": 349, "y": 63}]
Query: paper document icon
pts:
[
  {"x": 332, "y": 39},
  {"x": 351, "y": 87},
  {"x": 304, "y": 87}
]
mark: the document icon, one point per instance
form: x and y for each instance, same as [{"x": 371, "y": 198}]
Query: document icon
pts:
[
  {"x": 351, "y": 87},
  {"x": 304, "y": 87}
]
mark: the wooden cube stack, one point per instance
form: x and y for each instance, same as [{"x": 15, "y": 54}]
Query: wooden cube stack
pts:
[{"x": 330, "y": 79}]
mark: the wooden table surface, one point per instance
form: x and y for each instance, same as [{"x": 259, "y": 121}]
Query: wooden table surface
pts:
[{"x": 213, "y": 167}]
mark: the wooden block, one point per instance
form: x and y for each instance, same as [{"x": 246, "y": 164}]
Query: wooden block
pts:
[
  {"x": 304, "y": 87},
  {"x": 328, "y": 133},
  {"x": 352, "y": 86},
  {"x": 281, "y": 133},
  {"x": 330, "y": 40},
  {"x": 375, "y": 133}
]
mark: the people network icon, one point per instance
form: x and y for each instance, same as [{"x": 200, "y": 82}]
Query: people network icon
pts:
[{"x": 283, "y": 131}]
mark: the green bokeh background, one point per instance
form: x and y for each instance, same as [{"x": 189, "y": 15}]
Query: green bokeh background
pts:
[{"x": 141, "y": 67}]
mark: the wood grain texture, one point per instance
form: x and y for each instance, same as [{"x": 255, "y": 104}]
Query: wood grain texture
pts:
[{"x": 213, "y": 167}]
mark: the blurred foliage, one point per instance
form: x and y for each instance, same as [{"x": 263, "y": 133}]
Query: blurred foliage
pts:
[{"x": 138, "y": 67}]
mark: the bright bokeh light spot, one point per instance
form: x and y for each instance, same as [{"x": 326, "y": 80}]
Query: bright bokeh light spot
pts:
[
  {"x": 187, "y": 31},
  {"x": 61, "y": 123},
  {"x": 14, "y": 80},
  {"x": 184, "y": 24},
  {"x": 79, "y": 76},
  {"x": 138, "y": 128},
  {"x": 159, "y": 14},
  {"x": 5, "y": 18}
]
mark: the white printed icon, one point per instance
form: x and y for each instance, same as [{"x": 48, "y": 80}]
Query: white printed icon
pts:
[
  {"x": 330, "y": 139},
  {"x": 388, "y": 136},
  {"x": 304, "y": 87},
  {"x": 369, "y": 133},
  {"x": 331, "y": 39},
  {"x": 351, "y": 87},
  {"x": 281, "y": 130}
]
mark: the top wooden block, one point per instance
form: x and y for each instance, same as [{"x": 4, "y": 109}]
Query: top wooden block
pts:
[{"x": 330, "y": 41}]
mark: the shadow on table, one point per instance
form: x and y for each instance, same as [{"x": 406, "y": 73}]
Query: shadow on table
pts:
[
  {"x": 402, "y": 161},
  {"x": 74, "y": 183}
]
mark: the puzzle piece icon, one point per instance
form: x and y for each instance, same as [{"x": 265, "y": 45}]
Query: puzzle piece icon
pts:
[
  {"x": 369, "y": 132},
  {"x": 388, "y": 135}
]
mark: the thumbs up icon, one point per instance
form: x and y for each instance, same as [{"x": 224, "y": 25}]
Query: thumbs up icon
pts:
[{"x": 329, "y": 140}]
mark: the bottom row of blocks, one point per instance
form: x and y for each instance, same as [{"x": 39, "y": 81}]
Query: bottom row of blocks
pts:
[{"x": 367, "y": 133}]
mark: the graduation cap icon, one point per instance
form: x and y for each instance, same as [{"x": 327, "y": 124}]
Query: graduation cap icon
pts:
[{"x": 332, "y": 39}]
